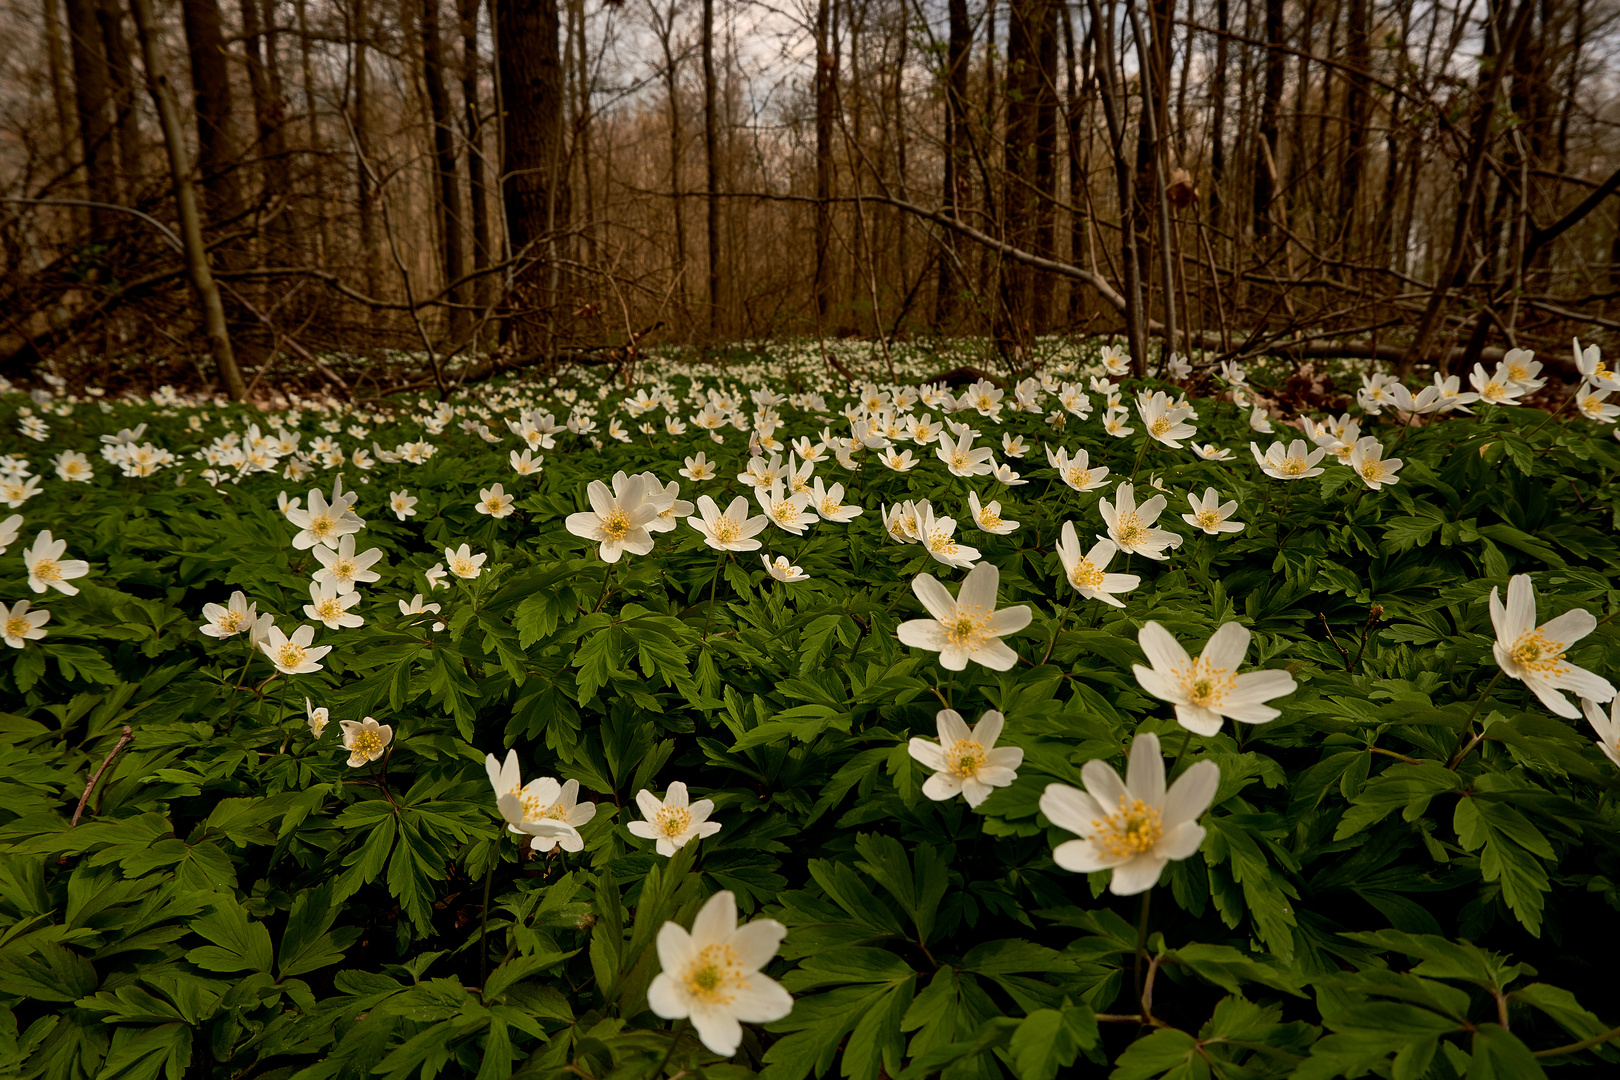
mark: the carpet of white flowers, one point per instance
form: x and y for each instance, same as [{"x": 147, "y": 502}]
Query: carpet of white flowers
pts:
[{"x": 754, "y": 719}]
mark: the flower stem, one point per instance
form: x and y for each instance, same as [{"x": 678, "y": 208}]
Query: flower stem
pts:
[
  {"x": 1464, "y": 751},
  {"x": 708, "y": 612},
  {"x": 606, "y": 578},
  {"x": 483, "y": 930},
  {"x": 1141, "y": 943},
  {"x": 1185, "y": 739},
  {"x": 1057, "y": 627}
]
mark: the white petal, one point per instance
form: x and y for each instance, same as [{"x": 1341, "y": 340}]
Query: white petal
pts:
[
  {"x": 1136, "y": 876},
  {"x": 1226, "y": 646},
  {"x": 1191, "y": 794},
  {"x": 1163, "y": 651},
  {"x": 1070, "y": 808},
  {"x": 1144, "y": 769}
]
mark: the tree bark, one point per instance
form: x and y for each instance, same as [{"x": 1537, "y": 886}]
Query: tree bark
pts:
[
  {"x": 211, "y": 99},
  {"x": 1217, "y": 123},
  {"x": 711, "y": 158},
  {"x": 448, "y": 189},
  {"x": 121, "y": 87},
  {"x": 826, "y": 104},
  {"x": 92, "y": 90},
  {"x": 185, "y": 197},
  {"x": 1029, "y": 160},
  {"x": 535, "y": 190},
  {"x": 954, "y": 190},
  {"x": 477, "y": 192},
  {"x": 1356, "y": 116},
  {"x": 1265, "y": 160}
]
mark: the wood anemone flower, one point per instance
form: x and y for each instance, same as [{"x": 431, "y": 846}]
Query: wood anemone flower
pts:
[{"x": 967, "y": 626}]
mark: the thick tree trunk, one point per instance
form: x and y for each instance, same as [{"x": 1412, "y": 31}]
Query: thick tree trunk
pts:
[
  {"x": 365, "y": 192},
  {"x": 121, "y": 87},
  {"x": 1266, "y": 154},
  {"x": 185, "y": 197},
  {"x": 1029, "y": 160},
  {"x": 448, "y": 188},
  {"x": 1217, "y": 123},
  {"x": 92, "y": 90},
  {"x": 711, "y": 158},
  {"x": 476, "y": 185},
  {"x": 211, "y": 99},
  {"x": 535, "y": 190},
  {"x": 1358, "y": 57},
  {"x": 826, "y": 103},
  {"x": 269, "y": 115},
  {"x": 954, "y": 191}
]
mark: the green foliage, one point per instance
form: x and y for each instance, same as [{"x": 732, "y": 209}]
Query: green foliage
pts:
[{"x": 1381, "y": 865}]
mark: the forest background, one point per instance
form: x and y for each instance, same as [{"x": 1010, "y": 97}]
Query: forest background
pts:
[{"x": 254, "y": 186}]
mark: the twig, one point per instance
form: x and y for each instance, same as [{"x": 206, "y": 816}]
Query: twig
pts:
[
  {"x": 1335, "y": 641},
  {"x": 123, "y": 741},
  {"x": 1374, "y": 613}
]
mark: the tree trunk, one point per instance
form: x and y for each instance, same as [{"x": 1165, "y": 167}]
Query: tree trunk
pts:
[
  {"x": 1217, "y": 123},
  {"x": 448, "y": 190},
  {"x": 1028, "y": 158},
  {"x": 711, "y": 157},
  {"x": 365, "y": 182},
  {"x": 269, "y": 114},
  {"x": 826, "y": 103},
  {"x": 1265, "y": 159},
  {"x": 954, "y": 191},
  {"x": 535, "y": 190},
  {"x": 91, "y": 93},
  {"x": 476, "y": 190},
  {"x": 211, "y": 99},
  {"x": 185, "y": 197},
  {"x": 121, "y": 87},
  {"x": 1358, "y": 57}
]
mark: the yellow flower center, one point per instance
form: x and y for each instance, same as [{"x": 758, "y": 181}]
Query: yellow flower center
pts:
[
  {"x": 959, "y": 460},
  {"x": 989, "y": 518},
  {"x": 463, "y": 566},
  {"x": 1085, "y": 575},
  {"x": 1132, "y": 829},
  {"x": 1208, "y": 519},
  {"x": 1534, "y": 651},
  {"x": 1292, "y": 465},
  {"x": 941, "y": 543},
  {"x": 785, "y": 512},
  {"x": 672, "y": 821},
  {"x": 1373, "y": 470},
  {"x": 494, "y": 504},
  {"x": 830, "y": 506},
  {"x": 1078, "y": 477},
  {"x": 799, "y": 484},
  {"x": 1129, "y": 529},
  {"x": 290, "y": 655},
  {"x": 726, "y": 529},
  {"x": 231, "y": 622},
  {"x": 344, "y": 569},
  {"x": 964, "y": 758},
  {"x": 322, "y": 525},
  {"x": 330, "y": 608},
  {"x": 1204, "y": 684},
  {"x": 616, "y": 524},
  {"x": 367, "y": 741},
  {"x": 18, "y": 626},
  {"x": 1518, "y": 371},
  {"x": 47, "y": 570},
  {"x": 1160, "y": 425},
  {"x": 967, "y": 629}
]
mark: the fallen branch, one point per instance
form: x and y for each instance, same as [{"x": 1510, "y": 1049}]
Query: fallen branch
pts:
[{"x": 129, "y": 733}]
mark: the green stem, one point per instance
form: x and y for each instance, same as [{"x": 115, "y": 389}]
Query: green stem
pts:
[
  {"x": 1141, "y": 943},
  {"x": 1185, "y": 739},
  {"x": 708, "y": 612},
  {"x": 674, "y": 1041},
  {"x": 1463, "y": 751},
  {"x": 607, "y": 576},
  {"x": 483, "y": 930},
  {"x": 1057, "y": 627}
]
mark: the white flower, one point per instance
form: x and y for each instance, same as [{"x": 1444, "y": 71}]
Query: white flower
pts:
[
  {"x": 1003, "y": 473},
  {"x": 1211, "y": 452},
  {"x": 494, "y": 501},
  {"x": 1259, "y": 421},
  {"x": 1077, "y": 471},
  {"x": 323, "y": 522},
  {"x": 1131, "y": 526},
  {"x": 293, "y": 655},
  {"x": 698, "y": 468},
  {"x": 343, "y": 567},
  {"x": 790, "y": 513},
  {"x": 48, "y": 570},
  {"x": 331, "y": 606},
  {"x": 1589, "y": 362},
  {"x": 782, "y": 570},
  {"x": 1367, "y": 458},
  {"x": 365, "y": 740},
  {"x": 961, "y": 458},
  {"x": 18, "y": 625},
  {"x": 713, "y": 976},
  {"x": 1535, "y": 654},
  {"x": 1607, "y": 727},
  {"x": 733, "y": 530},
  {"x": 228, "y": 621},
  {"x": 829, "y": 505},
  {"x": 547, "y": 811},
  {"x": 618, "y": 519},
  {"x": 524, "y": 463},
  {"x": 899, "y": 460},
  {"x": 1162, "y": 421},
  {"x": 1131, "y": 826},
  {"x": 9, "y": 530},
  {"x": 1521, "y": 369},
  {"x": 1085, "y": 572},
  {"x": 988, "y": 516},
  {"x": 1590, "y": 401},
  {"x": 1296, "y": 461},
  {"x": 316, "y": 718},
  {"x": 964, "y": 760},
  {"x": 968, "y": 626},
  {"x": 1116, "y": 362},
  {"x": 666, "y": 500},
  {"x": 436, "y": 575},
  {"x": 938, "y": 535},
  {"x": 1497, "y": 388},
  {"x": 1013, "y": 445},
  {"x": 462, "y": 562},
  {"x": 402, "y": 503},
  {"x": 1209, "y": 688},
  {"x": 1210, "y": 514},
  {"x": 74, "y": 466},
  {"x": 673, "y": 821}
]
